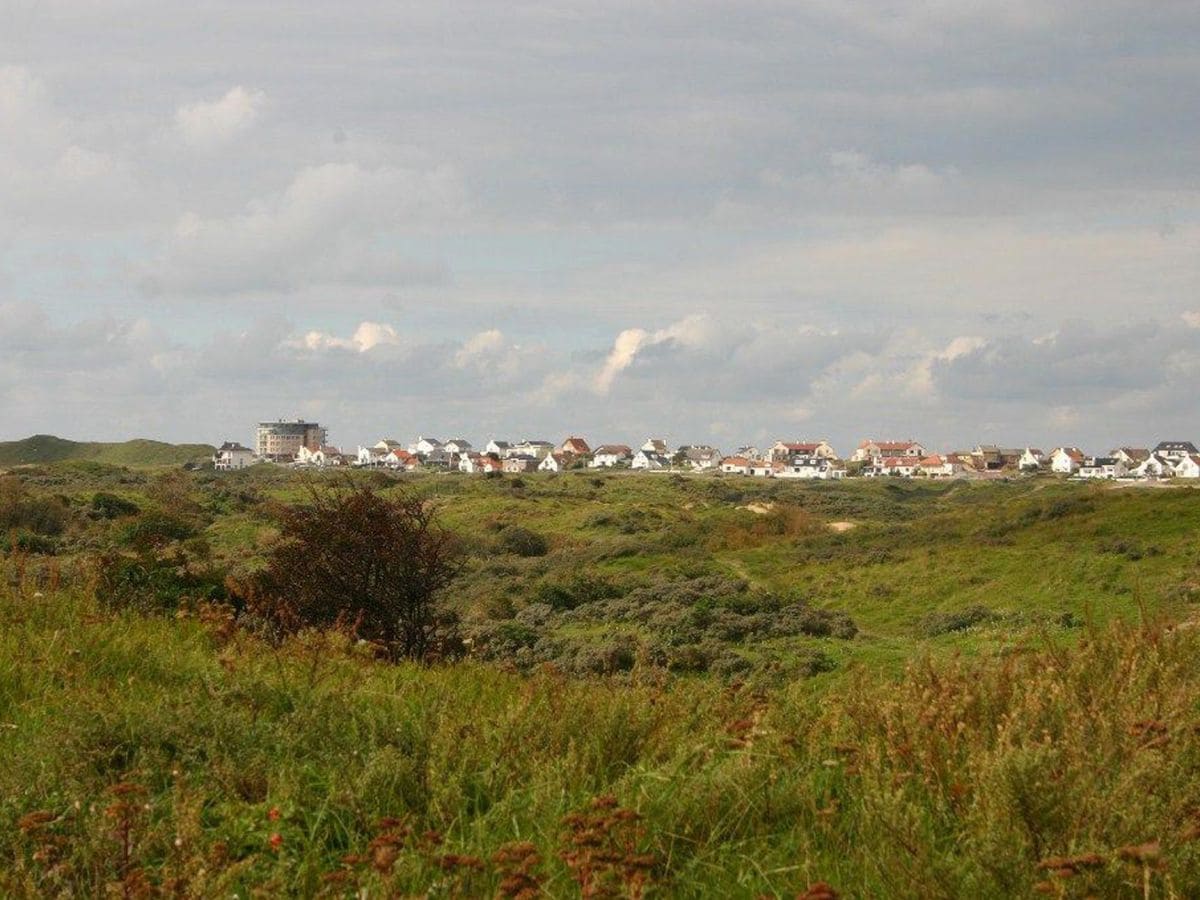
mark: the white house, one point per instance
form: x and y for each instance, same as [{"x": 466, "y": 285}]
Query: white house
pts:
[
  {"x": 1176, "y": 450},
  {"x": 321, "y": 458},
  {"x": 471, "y": 463},
  {"x": 609, "y": 455},
  {"x": 538, "y": 449},
  {"x": 1131, "y": 456},
  {"x": 1154, "y": 466},
  {"x": 1102, "y": 467},
  {"x": 1031, "y": 460},
  {"x": 518, "y": 464},
  {"x": 499, "y": 448},
  {"x": 424, "y": 446},
  {"x": 1188, "y": 467},
  {"x": 762, "y": 468},
  {"x": 895, "y": 466},
  {"x": 556, "y": 462},
  {"x": 655, "y": 445},
  {"x": 784, "y": 450},
  {"x": 808, "y": 467},
  {"x": 649, "y": 461},
  {"x": 937, "y": 466},
  {"x": 735, "y": 465},
  {"x": 1066, "y": 460},
  {"x": 701, "y": 457},
  {"x": 232, "y": 455},
  {"x": 872, "y": 450},
  {"x": 457, "y": 445}
]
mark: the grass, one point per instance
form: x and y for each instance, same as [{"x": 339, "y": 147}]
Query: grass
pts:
[
  {"x": 258, "y": 769},
  {"x": 44, "y": 448},
  {"x": 1018, "y": 712}
]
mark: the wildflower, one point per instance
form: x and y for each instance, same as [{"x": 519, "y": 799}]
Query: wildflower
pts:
[
  {"x": 273, "y": 814},
  {"x": 275, "y": 841},
  {"x": 818, "y": 890},
  {"x": 1143, "y": 854}
]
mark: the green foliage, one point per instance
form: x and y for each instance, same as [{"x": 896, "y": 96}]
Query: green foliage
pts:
[
  {"x": 940, "y": 623},
  {"x": 44, "y": 448},
  {"x": 153, "y": 530},
  {"x": 33, "y": 513},
  {"x": 110, "y": 506},
  {"x": 521, "y": 541}
]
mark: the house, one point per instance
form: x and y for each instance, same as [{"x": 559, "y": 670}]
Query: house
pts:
[
  {"x": 763, "y": 468},
  {"x": 735, "y": 465},
  {"x": 538, "y": 449},
  {"x": 894, "y": 466},
  {"x": 655, "y": 445},
  {"x": 1131, "y": 456},
  {"x": 609, "y": 455},
  {"x": 808, "y": 467},
  {"x": 783, "y": 450},
  {"x": 457, "y": 445},
  {"x": 556, "y": 462},
  {"x": 397, "y": 459},
  {"x": 1176, "y": 450},
  {"x": 424, "y": 447},
  {"x": 936, "y": 466},
  {"x": 748, "y": 452},
  {"x": 489, "y": 465},
  {"x": 1188, "y": 467},
  {"x": 518, "y": 464},
  {"x": 1066, "y": 460},
  {"x": 700, "y": 457},
  {"x": 1102, "y": 467},
  {"x": 1032, "y": 460},
  {"x": 650, "y": 461},
  {"x": 1153, "y": 466},
  {"x": 872, "y": 450},
  {"x": 497, "y": 448},
  {"x": 232, "y": 455},
  {"x": 576, "y": 446},
  {"x": 323, "y": 457},
  {"x": 990, "y": 458},
  {"x": 471, "y": 463}
]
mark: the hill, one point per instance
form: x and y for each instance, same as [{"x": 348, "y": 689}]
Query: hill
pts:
[{"x": 46, "y": 448}]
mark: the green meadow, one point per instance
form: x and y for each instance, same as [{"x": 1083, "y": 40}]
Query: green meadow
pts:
[{"x": 674, "y": 686}]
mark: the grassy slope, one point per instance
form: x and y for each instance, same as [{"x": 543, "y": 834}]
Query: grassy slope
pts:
[
  {"x": 44, "y": 448},
  {"x": 954, "y": 780}
]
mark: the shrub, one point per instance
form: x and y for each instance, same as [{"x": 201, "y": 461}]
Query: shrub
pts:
[
  {"x": 110, "y": 506},
  {"x": 21, "y": 540},
  {"x": 521, "y": 541},
  {"x": 574, "y": 591},
  {"x": 375, "y": 565},
  {"x": 155, "y": 529},
  {"x": 30, "y": 512},
  {"x": 935, "y": 624}
]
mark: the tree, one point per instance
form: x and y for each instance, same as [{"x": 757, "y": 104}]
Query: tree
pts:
[{"x": 356, "y": 559}]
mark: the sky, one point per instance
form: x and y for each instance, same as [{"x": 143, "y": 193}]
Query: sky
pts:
[{"x": 723, "y": 223}]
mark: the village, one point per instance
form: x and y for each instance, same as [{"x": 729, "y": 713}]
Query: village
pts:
[{"x": 302, "y": 444}]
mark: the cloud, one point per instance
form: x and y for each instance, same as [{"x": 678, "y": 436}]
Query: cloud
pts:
[
  {"x": 367, "y": 336},
  {"x": 210, "y": 124},
  {"x": 330, "y": 225}
]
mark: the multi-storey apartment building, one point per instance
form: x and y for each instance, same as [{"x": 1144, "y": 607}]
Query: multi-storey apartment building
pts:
[{"x": 283, "y": 440}]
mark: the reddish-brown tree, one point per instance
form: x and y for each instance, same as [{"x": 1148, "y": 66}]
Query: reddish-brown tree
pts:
[{"x": 355, "y": 558}]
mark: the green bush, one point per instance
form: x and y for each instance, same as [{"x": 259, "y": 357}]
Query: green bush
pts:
[
  {"x": 111, "y": 506},
  {"x": 935, "y": 624},
  {"x": 521, "y": 541}
]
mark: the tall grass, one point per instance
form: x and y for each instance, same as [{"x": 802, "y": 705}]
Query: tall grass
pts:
[{"x": 149, "y": 756}]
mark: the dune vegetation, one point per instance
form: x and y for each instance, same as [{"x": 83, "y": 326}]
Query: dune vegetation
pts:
[{"x": 667, "y": 687}]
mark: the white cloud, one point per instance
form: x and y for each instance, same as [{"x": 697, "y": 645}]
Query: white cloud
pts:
[
  {"x": 367, "y": 336},
  {"x": 210, "y": 124},
  {"x": 330, "y": 225}
]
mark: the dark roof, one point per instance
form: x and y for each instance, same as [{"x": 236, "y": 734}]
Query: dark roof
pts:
[
  {"x": 233, "y": 445},
  {"x": 1176, "y": 447}
]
